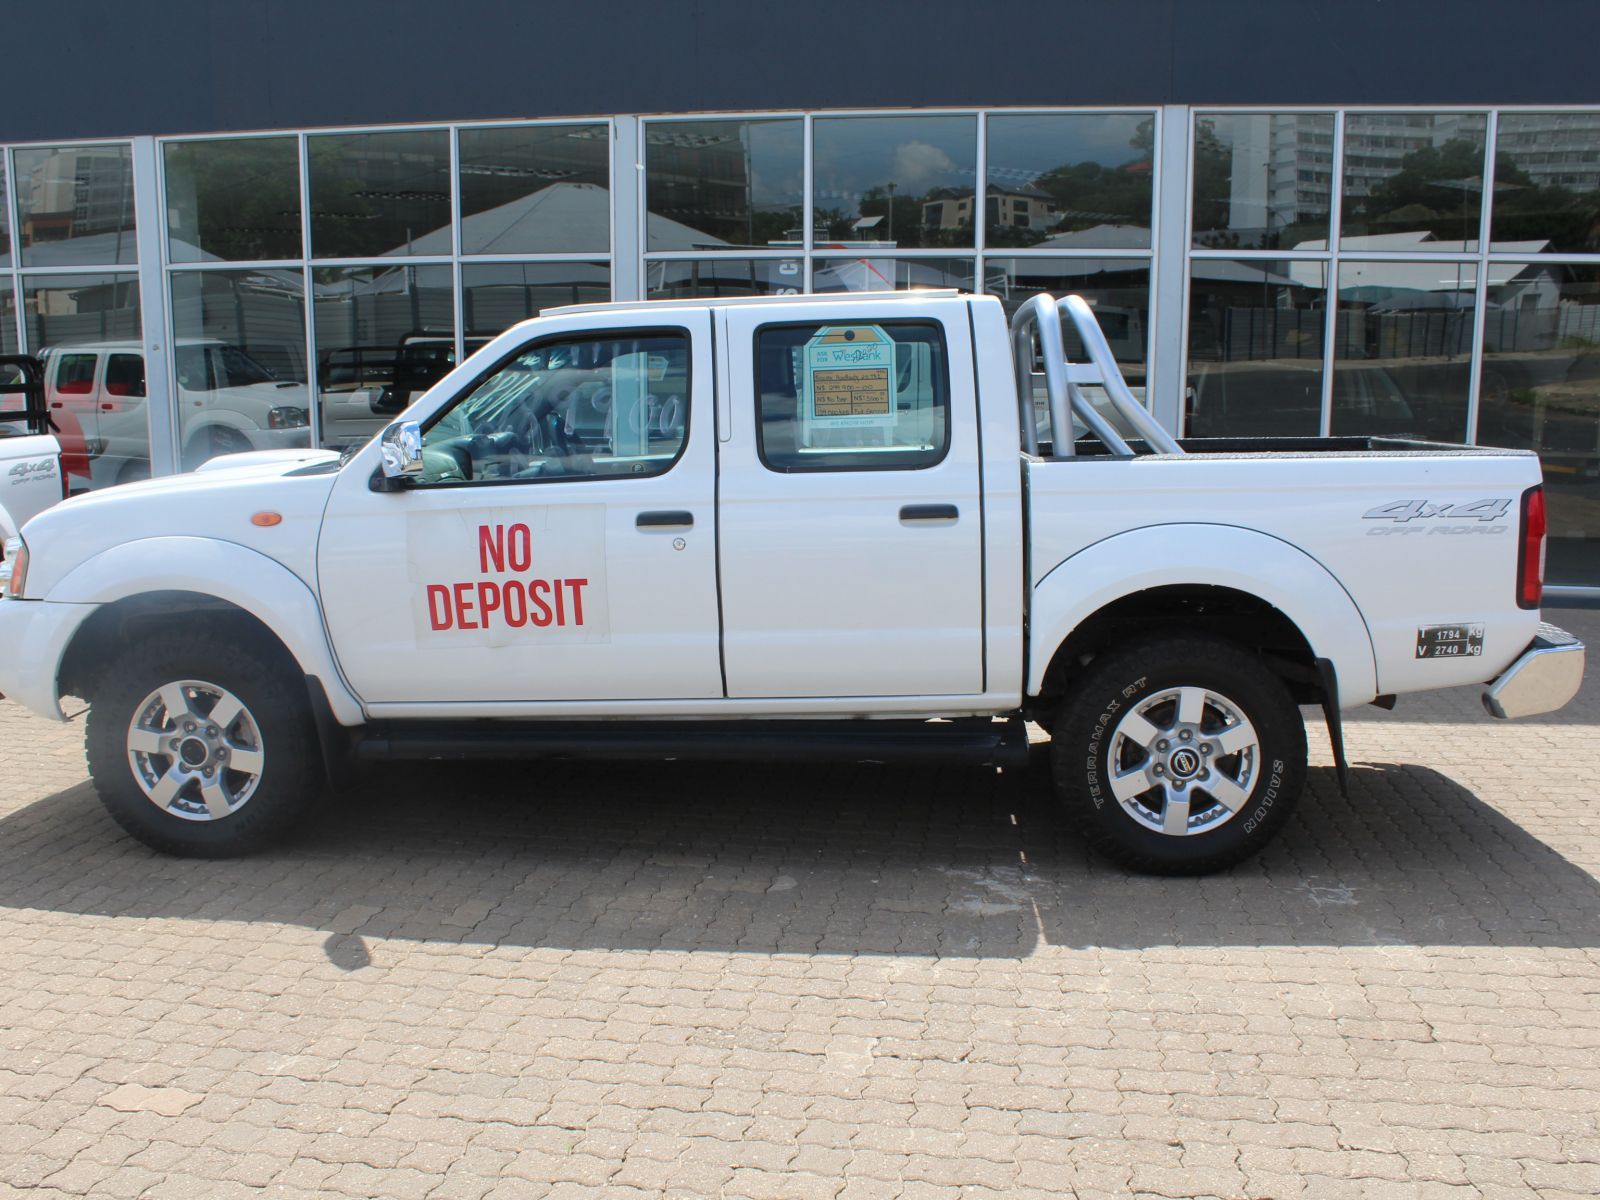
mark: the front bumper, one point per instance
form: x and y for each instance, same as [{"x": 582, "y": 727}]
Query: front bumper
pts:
[
  {"x": 33, "y": 636},
  {"x": 1546, "y": 676}
]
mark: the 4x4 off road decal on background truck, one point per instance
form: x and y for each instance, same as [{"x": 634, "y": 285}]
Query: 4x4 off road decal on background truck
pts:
[
  {"x": 499, "y": 576},
  {"x": 1445, "y": 518}
]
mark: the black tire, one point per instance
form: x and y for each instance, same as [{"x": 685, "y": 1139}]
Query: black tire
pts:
[
  {"x": 1096, "y": 722},
  {"x": 274, "y": 698}
]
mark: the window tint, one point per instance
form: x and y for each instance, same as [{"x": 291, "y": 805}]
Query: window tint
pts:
[
  {"x": 844, "y": 397},
  {"x": 125, "y": 375},
  {"x": 589, "y": 408},
  {"x": 75, "y": 375}
]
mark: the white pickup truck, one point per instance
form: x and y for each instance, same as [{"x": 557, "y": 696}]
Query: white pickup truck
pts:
[
  {"x": 31, "y": 476},
  {"x": 880, "y": 527}
]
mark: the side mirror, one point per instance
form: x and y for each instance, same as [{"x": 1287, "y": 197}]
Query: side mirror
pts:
[{"x": 402, "y": 451}]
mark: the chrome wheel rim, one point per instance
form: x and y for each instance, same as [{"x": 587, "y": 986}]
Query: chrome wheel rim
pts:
[
  {"x": 1183, "y": 761},
  {"x": 195, "y": 750}
]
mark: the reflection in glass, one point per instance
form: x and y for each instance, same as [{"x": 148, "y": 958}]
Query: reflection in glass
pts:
[
  {"x": 1540, "y": 390},
  {"x": 77, "y": 324},
  {"x": 1546, "y": 184},
  {"x": 1412, "y": 181},
  {"x": 5, "y": 223},
  {"x": 385, "y": 335},
  {"x": 1118, "y": 289},
  {"x": 534, "y": 189},
  {"x": 715, "y": 184},
  {"x": 725, "y": 277},
  {"x": 1262, "y": 180},
  {"x": 1068, "y": 173},
  {"x": 894, "y": 181},
  {"x": 75, "y": 206},
  {"x": 592, "y": 408},
  {"x": 234, "y": 198},
  {"x": 1256, "y": 331},
  {"x": 8, "y": 317},
  {"x": 239, "y": 355},
  {"x": 379, "y": 193},
  {"x": 890, "y": 274},
  {"x": 495, "y": 296},
  {"x": 1403, "y": 349}
]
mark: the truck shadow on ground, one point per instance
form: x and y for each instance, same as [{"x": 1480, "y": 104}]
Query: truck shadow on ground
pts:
[{"x": 805, "y": 860}]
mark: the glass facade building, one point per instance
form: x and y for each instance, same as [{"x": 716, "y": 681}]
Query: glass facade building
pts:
[{"x": 1422, "y": 271}]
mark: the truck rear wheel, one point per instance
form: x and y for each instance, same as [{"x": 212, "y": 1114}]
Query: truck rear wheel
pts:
[
  {"x": 1179, "y": 755},
  {"x": 199, "y": 746}
]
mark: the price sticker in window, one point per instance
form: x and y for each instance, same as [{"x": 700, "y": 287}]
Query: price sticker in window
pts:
[{"x": 849, "y": 378}]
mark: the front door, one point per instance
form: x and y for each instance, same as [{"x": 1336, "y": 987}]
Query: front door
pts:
[
  {"x": 852, "y": 553},
  {"x": 560, "y": 545}
]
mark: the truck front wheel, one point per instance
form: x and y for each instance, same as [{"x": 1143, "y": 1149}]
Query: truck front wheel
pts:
[
  {"x": 1179, "y": 755},
  {"x": 200, "y": 746}
]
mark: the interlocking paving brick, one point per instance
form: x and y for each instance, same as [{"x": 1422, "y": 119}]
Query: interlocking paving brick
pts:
[{"x": 671, "y": 980}]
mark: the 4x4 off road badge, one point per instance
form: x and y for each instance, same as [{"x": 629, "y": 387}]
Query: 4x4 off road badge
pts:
[{"x": 1471, "y": 516}]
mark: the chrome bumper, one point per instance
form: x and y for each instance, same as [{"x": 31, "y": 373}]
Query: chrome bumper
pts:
[{"x": 1545, "y": 677}]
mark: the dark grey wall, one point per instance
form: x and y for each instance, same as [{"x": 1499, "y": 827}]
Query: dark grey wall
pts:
[{"x": 91, "y": 68}]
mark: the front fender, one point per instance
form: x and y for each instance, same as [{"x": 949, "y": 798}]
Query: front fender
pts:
[
  {"x": 236, "y": 574},
  {"x": 1245, "y": 560}
]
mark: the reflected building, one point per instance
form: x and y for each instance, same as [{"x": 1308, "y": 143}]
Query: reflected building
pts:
[{"x": 1265, "y": 268}]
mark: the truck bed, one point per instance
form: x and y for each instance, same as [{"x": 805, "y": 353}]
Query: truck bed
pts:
[{"x": 1406, "y": 535}]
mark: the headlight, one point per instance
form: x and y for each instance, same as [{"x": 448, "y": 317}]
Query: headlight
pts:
[
  {"x": 286, "y": 416},
  {"x": 14, "y": 570}
]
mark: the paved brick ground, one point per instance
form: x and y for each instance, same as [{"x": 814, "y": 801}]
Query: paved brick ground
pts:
[{"x": 785, "y": 983}]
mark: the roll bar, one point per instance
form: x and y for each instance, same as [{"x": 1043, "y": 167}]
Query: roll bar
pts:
[{"x": 1064, "y": 381}]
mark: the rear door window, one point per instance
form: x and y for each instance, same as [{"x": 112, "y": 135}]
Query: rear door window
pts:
[
  {"x": 852, "y": 397},
  {"x": 125, "y": 375}
]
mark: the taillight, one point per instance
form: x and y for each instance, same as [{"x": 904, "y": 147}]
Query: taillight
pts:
[{"x": 1530, "y": 551}]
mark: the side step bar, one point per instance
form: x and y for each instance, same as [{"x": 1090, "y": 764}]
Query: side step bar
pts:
[{"x": 976, "y": 742}]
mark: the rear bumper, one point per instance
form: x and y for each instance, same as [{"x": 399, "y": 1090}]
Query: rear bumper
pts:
[{"x": 1546, "y": 676}]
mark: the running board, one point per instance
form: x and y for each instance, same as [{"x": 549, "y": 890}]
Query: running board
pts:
[{"x": 980, "y": 742}]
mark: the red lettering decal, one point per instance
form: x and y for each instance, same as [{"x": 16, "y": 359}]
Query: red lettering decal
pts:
[
  {"x": 516, "y": 604},
  {"x": 488, "y": 599},
  {"x": 541, "y": 615},
  {"x": 491, "y": 548},
  {"x": 464, "y": 606},
  {"x": 439, "y": 605},
  {"x": 561, "y": 604},
  {"x": 577, "y": 586},
  {"x": 521, "y": 556}
]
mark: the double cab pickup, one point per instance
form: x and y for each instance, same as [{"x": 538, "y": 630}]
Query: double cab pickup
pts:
[{"x": 864, "y": 528}]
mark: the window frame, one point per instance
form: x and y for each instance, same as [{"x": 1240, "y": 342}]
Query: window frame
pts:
[
  {"x": 593, "y": 335},
  {"x": 899, "y": 322}
]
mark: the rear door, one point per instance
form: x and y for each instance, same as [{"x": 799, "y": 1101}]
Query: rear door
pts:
[{"x": 851, "y": 550}]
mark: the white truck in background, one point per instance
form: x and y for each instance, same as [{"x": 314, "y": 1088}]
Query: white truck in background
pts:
[
  {"x": 867, "y": 527},
  {"x": 31, "y": 478}
]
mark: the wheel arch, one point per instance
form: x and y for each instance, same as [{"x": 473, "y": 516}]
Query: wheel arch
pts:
[
  {"x": 162, "y": 581},
  {"x": 1250, "y": 587}
]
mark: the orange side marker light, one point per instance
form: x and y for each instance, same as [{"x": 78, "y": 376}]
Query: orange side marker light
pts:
[{"x": 266, "y": 519}]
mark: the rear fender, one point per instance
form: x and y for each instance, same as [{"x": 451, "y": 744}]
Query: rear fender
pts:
[
  {"x": 1217, "y": 555},
  {"x": 236, "y": 574}
]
